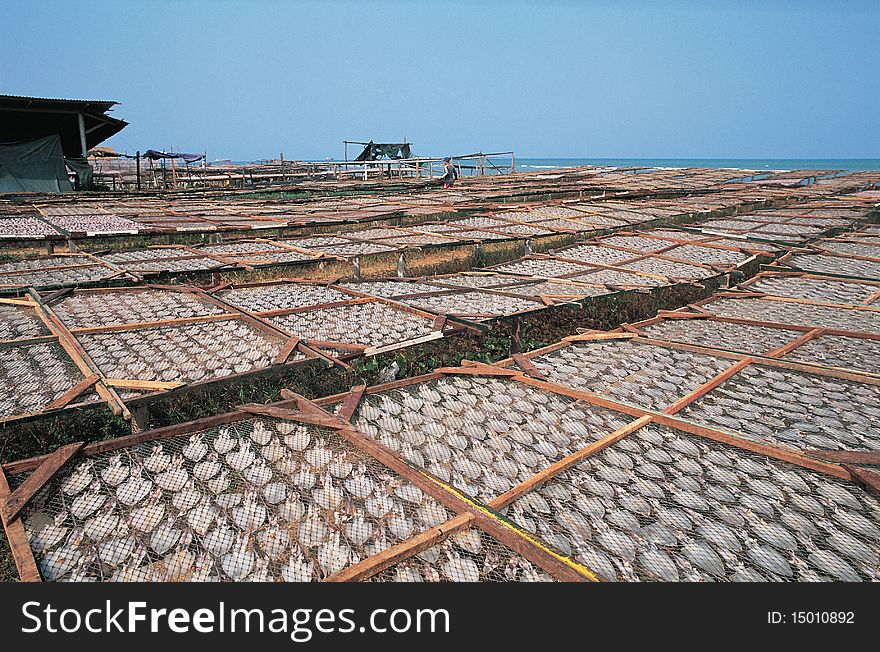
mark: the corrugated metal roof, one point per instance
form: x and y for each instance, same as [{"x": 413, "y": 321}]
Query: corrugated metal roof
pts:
[{"x": 101, "y": 105}]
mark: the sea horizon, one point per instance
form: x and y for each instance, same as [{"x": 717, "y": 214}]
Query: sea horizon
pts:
[
  {"x": 767, "y": 164},
  {"x": 528, "y": 163}
]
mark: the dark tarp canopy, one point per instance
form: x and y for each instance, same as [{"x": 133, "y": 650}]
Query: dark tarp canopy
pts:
[
  {"x": 155, "y": 155},
  {"x": 374, "y": 151},
  {"x": 33, "y": 166},
  {"x": 30, "y": 118}
]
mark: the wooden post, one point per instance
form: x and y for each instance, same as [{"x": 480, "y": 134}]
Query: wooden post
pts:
[
  {"x": 138, "y": 165},
  {"x": 82, "y": 134}
]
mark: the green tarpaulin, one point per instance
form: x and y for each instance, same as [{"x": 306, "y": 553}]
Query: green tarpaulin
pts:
[
  {"x": 83, "y": 171},
  {"x": 33, "y": 166}
]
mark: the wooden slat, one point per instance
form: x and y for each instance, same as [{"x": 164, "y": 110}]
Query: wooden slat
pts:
[
  {"x": 471, "y": 368},
  {"x": 293, "y": 415},
  {"x": 80, "y": 388},
  {"x": 430, "y": 337},
  {"x": 871, "y": 299},
  {"x": 795, "y": 343},
  {"x": 581, "y": 395},
  {"x": 777, "y": 452},
  {"x": 351, "y": 402},
  {"x": 569, "y": 461},
  {"x": 17, "y": 302},
  {"x": 79, "y": 356},
  {"x": 599, "y": 335},
  {"x": 52, "y": 297},
  {"x": 707, "y": 387},
  {"x": 412, "y": 546},
  {"x": 849, "y": 457},
  {"x": 288, "y": 348},
  {"x": 218, "y": 288},
  {"x": 527, "y": 366},
  {"x": 671, "y": 314},
  {"x": 31, "y": 463},
  {"x": 866, "y": 479},
  {"x": 18, "y": 499},
  {"x": 329, "y": 344},
  {"x": 130, "y": 383},
  {"x": 115, "y": 328},
  {"x": 43, "y": 339},
  {"x": 18, "y": 541}
]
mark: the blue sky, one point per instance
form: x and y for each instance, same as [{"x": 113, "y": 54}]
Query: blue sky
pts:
[{"x": 247, "y": 80}]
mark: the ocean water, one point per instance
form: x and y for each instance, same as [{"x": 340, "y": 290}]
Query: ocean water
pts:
[{"x": 848, "y": 164}]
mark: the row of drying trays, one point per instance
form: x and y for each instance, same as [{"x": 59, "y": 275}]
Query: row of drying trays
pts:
[
  {"x": 85, "y": 217},
  {"x": 70, "y": 347},
  {"x": 695, "y": 446},
  {"x": 530, "y": 225}
]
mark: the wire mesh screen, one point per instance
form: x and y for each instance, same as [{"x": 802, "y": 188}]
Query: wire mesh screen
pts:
[
  {"x": 616, "y": 278},
  {"x": 854, "y": 248},
  {"x": 35, "y": 264},
  {"x": 56, "y": 277},
  {"x": 467, "y": 556},
  {"x": 285, "y": 295},
  {"x": 147, "y": 254},
  {"x": 241, "y": 248},
  {"x": 678, "y": 235},
  {"x": 707, "y": 255},
  {"x": 90, "y": 223},
  {"x": 483, "y": 435},
  {"x": 87, "y": 310},
  {"x": 783, "y": 312},
  {"x": 552, "y": 211},
  {"x": 549, "y": 288},
  {"x": 794, "y": 409},
  {"x": 545, "y": 267},
  {"x": 33, "y": 376},
  {"x": 639, "y": 243},
  {"x": 668, "y": 268},
  {"x": 390, "y": 289},
  {"x": 473, "y": 304},
  {"x": 371, "y": 324},
  {"x": 814, "y": 288},
  {"x": 20, "y": 322},
  {"x": 485, "y": 280},
  {"x": 748, "y": 338},
  {"x": 590, "y": 253},
  {"x": 748, "y": 245},
  {"x": 849, "y": 352},
  {"x": 188, "y": 264},
  {"x": 187, "y": 353},
  {"x": 269, "y": 258},
  {"x": 648, "y": 376},
  {"x": 352, "y": 249},
  {"x": 256, "y": 500},
  {"x": 660, "y": 505},
  {"x": 24, "y": 227},
  {"x": 836, "y": 265}
]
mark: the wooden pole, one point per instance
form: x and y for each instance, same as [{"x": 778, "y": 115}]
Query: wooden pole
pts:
[{"x": 82, "y": 134}]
